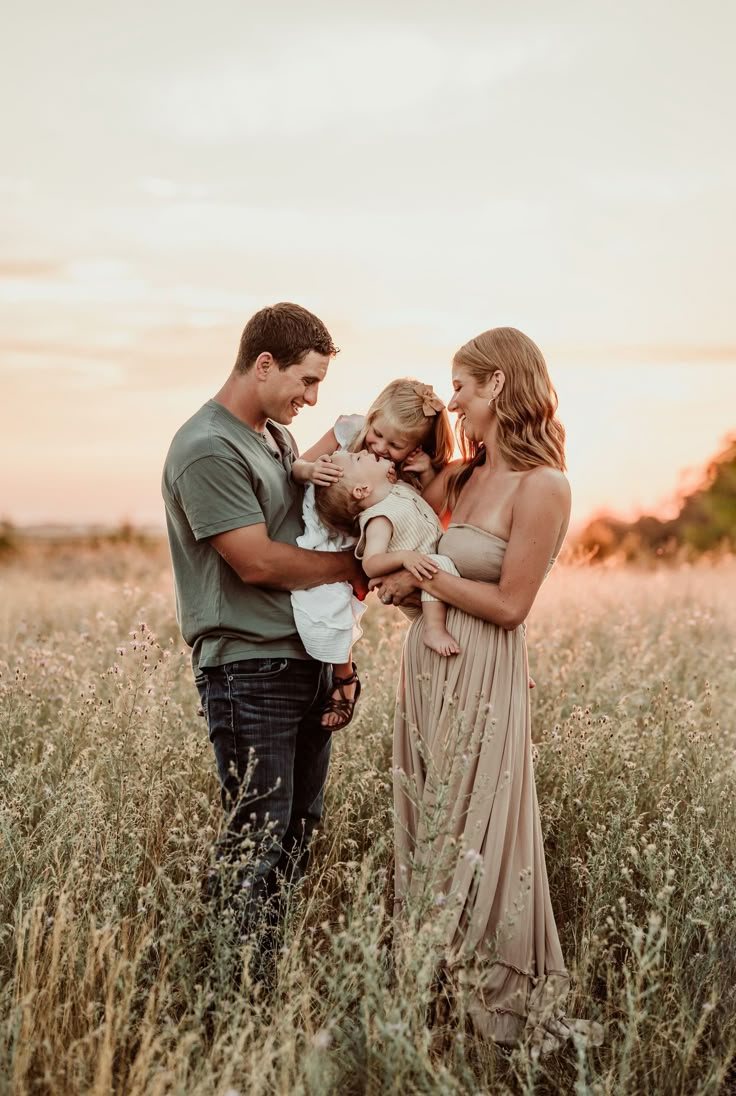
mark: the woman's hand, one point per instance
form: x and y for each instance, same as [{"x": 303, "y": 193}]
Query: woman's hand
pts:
[{"x": 323, "y": 472}]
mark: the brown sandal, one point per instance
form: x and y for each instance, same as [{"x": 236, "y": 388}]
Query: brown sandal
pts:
[{"x": 343, "y": 706}]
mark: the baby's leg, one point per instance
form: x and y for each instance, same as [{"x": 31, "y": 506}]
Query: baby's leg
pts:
[{"x": 435, "y": 633}]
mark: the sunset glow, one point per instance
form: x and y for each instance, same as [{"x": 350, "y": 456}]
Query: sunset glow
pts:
[{"x": 413, "y": 179}]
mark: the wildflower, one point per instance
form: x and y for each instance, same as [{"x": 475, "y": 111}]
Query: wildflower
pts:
[
  {"x": 321, "y": 1040},
  {"x": 473, "y": 857}
]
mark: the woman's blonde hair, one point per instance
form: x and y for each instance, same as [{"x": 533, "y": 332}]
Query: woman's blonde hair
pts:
[
  {"x": 413, "y": 408},
  {"x": 529, "y": 433}
]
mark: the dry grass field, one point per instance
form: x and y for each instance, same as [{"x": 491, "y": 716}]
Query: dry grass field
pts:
[{"x": 116, "y": 978}]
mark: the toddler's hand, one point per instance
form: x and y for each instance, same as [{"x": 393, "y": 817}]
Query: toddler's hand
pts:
[
  {"x": 420, "y": 566},
  {"x": 323, "y": 472},
  {"x": 418, "y": 462}
]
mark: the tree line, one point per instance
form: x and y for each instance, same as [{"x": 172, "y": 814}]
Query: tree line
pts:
[{"x": 705, "y": 522}]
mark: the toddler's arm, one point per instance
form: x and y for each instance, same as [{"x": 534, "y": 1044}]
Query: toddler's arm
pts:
[
  {"x": 378, "y": 561},
  {"x": 321, "y": 471},
  {"x": 419, "y": 464},
  {"x": 314, "y": 465}
]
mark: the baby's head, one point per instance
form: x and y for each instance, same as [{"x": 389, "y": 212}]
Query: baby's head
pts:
[
  {"x": 405, "y": 415},
  {"x": 366, "y": 478}
]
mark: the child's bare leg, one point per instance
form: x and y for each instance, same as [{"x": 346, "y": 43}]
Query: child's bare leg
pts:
[
  {"x": 435, "y": 633},
  {"x": 331, "y": 717}
]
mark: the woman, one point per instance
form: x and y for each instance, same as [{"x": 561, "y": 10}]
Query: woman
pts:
[{"x": 468, "y": 835}]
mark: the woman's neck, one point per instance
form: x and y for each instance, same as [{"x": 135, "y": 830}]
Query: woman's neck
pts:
[{"x": 495, "y": 461}]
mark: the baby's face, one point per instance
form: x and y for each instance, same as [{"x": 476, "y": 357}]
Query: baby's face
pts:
[{"x": 364, "y": 469}]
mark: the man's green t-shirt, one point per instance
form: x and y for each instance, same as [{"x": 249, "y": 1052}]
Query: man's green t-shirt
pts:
[{"x": 219, "y": 475}]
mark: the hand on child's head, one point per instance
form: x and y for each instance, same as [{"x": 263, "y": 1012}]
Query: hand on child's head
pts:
[{"x": 325, "y": 472}]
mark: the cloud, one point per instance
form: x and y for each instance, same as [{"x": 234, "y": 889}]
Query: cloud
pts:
[{"x": 364, "y": 78}]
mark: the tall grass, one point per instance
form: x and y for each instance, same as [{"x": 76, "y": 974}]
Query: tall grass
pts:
[{"x": 116, "y": 977}]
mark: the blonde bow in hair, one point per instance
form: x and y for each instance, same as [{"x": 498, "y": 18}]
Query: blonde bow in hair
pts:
[{"x": 431, "y": 403}]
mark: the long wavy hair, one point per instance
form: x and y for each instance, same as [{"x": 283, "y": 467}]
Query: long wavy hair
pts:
[
  {"x": 404, "y": 402},
  {"x": 529, "y": 433}
]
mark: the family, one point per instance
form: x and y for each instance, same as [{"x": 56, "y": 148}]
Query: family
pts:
[{"x": 272, "y": 556}]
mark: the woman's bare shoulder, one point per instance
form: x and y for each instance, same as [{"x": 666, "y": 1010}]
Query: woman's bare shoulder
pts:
[{"x": 545, "y": 482}]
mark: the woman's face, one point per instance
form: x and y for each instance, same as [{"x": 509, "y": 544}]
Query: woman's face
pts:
[
  {"x": 470, "y": 403},
  {"x": 384, "y": 440}
]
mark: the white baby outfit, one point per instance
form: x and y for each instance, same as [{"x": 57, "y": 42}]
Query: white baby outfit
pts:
[{"x": 328, "y": 617}]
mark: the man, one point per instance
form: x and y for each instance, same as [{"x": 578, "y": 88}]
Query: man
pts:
[{"x": 233, "y": 514}]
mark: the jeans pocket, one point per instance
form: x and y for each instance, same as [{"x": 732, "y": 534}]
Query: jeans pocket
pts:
[
  {"x": 256, "y": 669},
  {"x": 202, "y": 682}
]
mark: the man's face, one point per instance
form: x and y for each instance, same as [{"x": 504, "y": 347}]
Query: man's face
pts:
[{"x": 285, "y": 391}]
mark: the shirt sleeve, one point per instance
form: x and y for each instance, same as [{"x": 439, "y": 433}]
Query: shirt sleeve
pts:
[
  {"x": 380, "y": 510},
  {"x": 348, "y": 427},
  {"x": 217, "y": 495}
]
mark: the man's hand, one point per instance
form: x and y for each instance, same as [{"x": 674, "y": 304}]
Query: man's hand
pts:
[
  {"x": 323, "y": 472},
  {"x": 399, "y": 588},
  {"x": 359, "y": 582}
]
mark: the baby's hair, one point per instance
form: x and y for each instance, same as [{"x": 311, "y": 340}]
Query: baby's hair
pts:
[
  {"x": 405, "y": 402},
  {"x": 336, "y": 507}
]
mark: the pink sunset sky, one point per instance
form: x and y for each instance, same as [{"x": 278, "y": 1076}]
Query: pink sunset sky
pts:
[{"x": 413, "y": 173}]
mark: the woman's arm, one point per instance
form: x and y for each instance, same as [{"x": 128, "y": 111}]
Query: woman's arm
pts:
[{"x": 540, "y": 515}]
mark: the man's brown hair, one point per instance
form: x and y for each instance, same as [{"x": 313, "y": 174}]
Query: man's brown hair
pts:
[{"x": 286, "y": 331}]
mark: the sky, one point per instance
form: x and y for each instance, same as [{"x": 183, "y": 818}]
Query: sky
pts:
[{"x": 413, "y": 173}]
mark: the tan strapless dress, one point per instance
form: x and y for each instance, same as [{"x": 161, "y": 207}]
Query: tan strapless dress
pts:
[{"x": 469, "y": 852}]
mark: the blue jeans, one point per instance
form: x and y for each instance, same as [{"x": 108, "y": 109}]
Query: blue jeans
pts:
[{"x": 272, "y": 758}]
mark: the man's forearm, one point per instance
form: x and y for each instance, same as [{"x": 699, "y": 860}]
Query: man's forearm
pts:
[{"x": 285, "y": 567}]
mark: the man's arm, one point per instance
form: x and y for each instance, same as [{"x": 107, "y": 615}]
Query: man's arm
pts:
[{"x": 260, "y": 561}]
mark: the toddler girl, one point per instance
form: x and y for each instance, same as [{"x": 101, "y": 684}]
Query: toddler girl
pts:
[{"x": 408, "y": 425}]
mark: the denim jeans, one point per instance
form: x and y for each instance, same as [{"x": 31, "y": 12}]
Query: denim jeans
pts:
[{"x": 272, "y": 758}]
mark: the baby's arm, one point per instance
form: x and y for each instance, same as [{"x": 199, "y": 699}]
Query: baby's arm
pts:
[
  {"x": 315, "y": 466},
  {"x": 378, "y": 561}
]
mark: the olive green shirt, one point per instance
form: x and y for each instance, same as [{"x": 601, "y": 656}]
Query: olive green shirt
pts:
[{"x": 219, "y": 475}]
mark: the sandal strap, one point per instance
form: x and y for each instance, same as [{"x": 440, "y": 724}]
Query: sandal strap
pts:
[
  {"x": 351, "y": 679},
  {"x": 343, "y": 706}
]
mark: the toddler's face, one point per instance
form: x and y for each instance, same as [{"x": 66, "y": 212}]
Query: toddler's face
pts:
[
  {"x": 363, "y": 469},
  {"x": 384, "y": 440}
]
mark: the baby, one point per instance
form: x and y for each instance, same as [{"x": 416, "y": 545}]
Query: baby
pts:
[{"x": 397, "y": 528}]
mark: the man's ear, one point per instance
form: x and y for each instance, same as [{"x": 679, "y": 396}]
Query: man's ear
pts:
[
  {"x": 361, "y": 493},
  {"x": 263, "y": 365}
]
